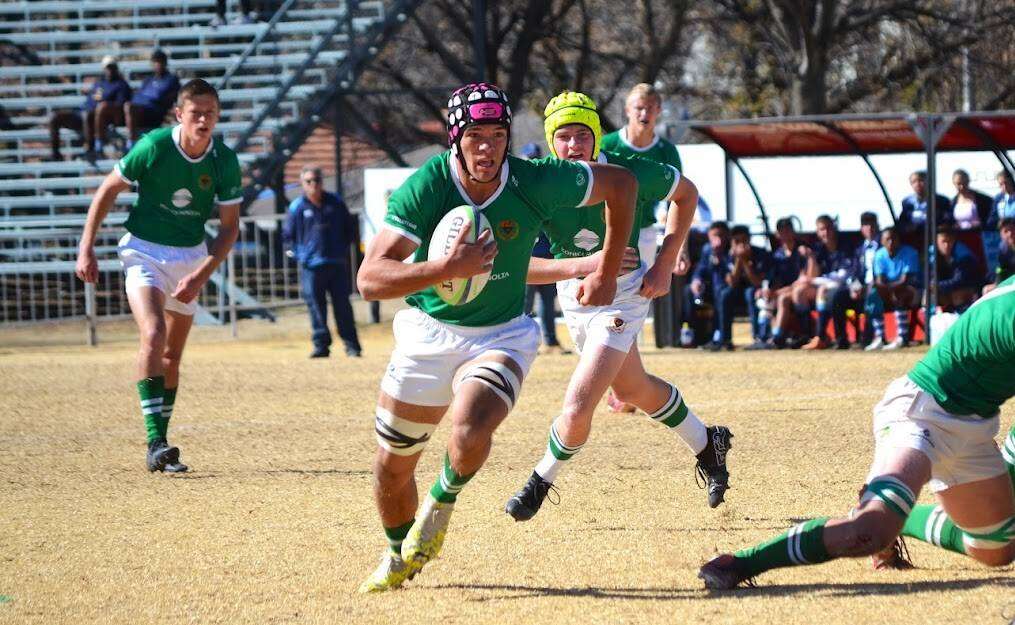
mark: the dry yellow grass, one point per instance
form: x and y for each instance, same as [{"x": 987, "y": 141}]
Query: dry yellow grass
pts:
[{"x": 275, "y": 524}]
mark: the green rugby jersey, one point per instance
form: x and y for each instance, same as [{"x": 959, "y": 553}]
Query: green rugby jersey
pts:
[
  {"x": 176, "y": 192},
  {"x": 530, "y": 193},
  {"x": 582, "y": 232},
  {"x": 660, "y": 151},
  {"x": 971, "y": 370}
]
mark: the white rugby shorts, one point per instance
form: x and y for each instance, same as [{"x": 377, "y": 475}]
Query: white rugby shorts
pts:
[
  {"x": 428, "y": 353},
  {"x": 160, "y": 266},
  {"x": 648, "y": 244},
  {"x": 616, "y": 325},
  {"x": 961, "y": 448}
]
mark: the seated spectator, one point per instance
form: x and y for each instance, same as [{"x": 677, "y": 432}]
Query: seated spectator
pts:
[
  {"x": 836, "y": 266},
  {"x": 789, "y": 264},
  {"x": 1006, "y": 255},
  {"x": 971, "y": 210},
  {"x": 148, "y": 108},
  {"x": 916, "y": 207},
  {"x": 861, "y": 290},
  {"x": 749, "y": 267},
  {"x": 958, "y": 276},
  {"x": 708, "y": 282},
  {"x": 103, "y": 106},
  {"x": 247, "y": 13},
  {"x": 898, "y": 282},
  {"x": 1004, "y": 208}
]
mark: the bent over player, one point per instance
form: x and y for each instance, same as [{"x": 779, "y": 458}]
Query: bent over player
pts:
[
  {"x": 605, "y": 335},
  {"x": 181, "y": 173},
  {"x": 477, "y": 353},
  {"x": 935, "y": 425}
]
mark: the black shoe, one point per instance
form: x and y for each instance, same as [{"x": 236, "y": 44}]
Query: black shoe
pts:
[
  {"x": 160, "y": 455},
  {"x": 711, "y": 467},
  {"x": 320, "y": 352},
  {"x": 724, "y": 573},
  {"x": 759, "y": 346},
  {"x": 842, "y": 345},
  {"x": 526, "y": 502},
  {"x": 712, "y": 346},
  {"x": 353, "y": 352},
  {"x": 176, "y": 467}
]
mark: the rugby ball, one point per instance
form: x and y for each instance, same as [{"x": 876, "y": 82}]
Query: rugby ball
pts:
[{"x": 458, "y": 291}]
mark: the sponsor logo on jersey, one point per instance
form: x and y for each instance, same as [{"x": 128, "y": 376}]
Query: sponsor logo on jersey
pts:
[
  {"x": 580, "y": 179},
  {"x": 204, "y": 182},
  {"x": 500, "y": 276},
  {"x": 586, "y": 240},
  {"x": 507, "y": 229},
  {"x": 182, "y": 198}
]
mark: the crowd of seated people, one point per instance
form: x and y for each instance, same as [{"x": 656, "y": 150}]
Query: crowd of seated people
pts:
[
  {"x": 110, "y": 100},
  {"x": 803, "y": 294}
]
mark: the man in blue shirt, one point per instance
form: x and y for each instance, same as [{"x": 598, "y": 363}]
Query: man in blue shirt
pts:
[
  {"x": 749, "y": 267},
  {"x": 708, "y": 282},
  {"x": 1003, "y": 208},
  {"x": 103, "y": 106},
  {"x": 1005, "y": 256},
  {"x": 148, "y": 108},
  {"x": 898, "y": 282},
  {"x": 833, "y": 266},
  {"x": 318, "y": 232},
  {"x": 959, "y": 276},
  {"x": 789, "y": 264},
  {"x": 863, "y": 297},
  {"x": 916, "y": 207}
]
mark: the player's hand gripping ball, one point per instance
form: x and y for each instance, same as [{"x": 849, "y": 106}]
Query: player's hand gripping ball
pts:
[{"x": 458, "y": 291}]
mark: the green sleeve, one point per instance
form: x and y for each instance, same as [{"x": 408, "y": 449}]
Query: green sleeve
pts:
[
  {"x": 656, "y": 181},
  {"x": 229, "y": 186},
  {"x": 673, "y": 157},
  {"x": 412, "y": 209},
  {"x": 563, "y": 184},
  {"x": 136, "y": 163}
]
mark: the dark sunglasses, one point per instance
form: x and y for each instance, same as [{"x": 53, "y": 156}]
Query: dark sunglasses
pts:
[{"x": 312, "y": 181}]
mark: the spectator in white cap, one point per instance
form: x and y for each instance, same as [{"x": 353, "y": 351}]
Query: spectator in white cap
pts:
[{"x": 104, "y": 99}]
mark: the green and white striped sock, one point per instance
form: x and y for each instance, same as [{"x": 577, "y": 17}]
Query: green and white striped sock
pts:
[
  {"x": 151, "y": 390},
  {"x": 395, "y": 537},
  {"x": 930, "y": 524},
  {"x": 675, "y": 415},
  {"x": 449, "y": 483},
  {"x": 801, "y": 544},
  {"x": 168, "y": 399},
  {"x": 557, "y": 453}
]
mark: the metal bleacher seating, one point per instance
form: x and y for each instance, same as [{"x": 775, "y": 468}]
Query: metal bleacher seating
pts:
[{"x": 303, "y": 40}]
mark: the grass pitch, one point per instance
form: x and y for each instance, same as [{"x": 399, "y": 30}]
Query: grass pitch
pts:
[{"x": 276, "y": 523}]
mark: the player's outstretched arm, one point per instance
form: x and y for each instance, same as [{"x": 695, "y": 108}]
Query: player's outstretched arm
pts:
[
  {"x": 549, "y": 270},
  {"x": 618, "y": 187},
  {"x": 678, "y": 224},
  {"x": 383, "y": 275},
  {"x": 229, "y": 229},
  {"x": 87, "y": 266}
]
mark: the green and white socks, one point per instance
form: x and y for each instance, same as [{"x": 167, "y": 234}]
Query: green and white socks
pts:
[
  {"x": 156, "y": 405},
  {"x": 395, "y": 537},
  {"x": 675, "y": 415},
  {"x": 929, "y": 523},
  {"x": 152, "y": 393},
  {"x": 449, "y": 483},
  {"x": 801, "y": 544},
  {"x": 557, "y": 453}
]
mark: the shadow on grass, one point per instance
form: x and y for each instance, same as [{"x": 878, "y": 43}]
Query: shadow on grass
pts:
[{"x": 518, "y": 591}]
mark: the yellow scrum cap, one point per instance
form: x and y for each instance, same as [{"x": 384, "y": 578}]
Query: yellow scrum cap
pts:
[{"x": 571, "y": 107}]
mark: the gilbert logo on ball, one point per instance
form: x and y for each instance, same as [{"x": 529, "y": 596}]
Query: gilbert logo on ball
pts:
[{"x": 458, "y": 291}]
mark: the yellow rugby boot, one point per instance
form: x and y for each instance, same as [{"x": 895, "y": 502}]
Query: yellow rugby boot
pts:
[
  {"x": 426, "y": 537},
  {"x": 389, "y": 575}
]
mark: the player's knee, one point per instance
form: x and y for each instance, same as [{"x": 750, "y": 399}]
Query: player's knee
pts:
[
  {"x": 153, "y": 334},
  {"x": 469, "y": 439},
  {"x": 996, "y": 557}
]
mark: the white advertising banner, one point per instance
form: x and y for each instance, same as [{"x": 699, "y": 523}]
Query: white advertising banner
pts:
[{"x": 378, "y": 185}]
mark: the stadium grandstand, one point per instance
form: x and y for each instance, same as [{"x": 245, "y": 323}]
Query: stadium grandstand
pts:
[{"x": 277, "y": 80}]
